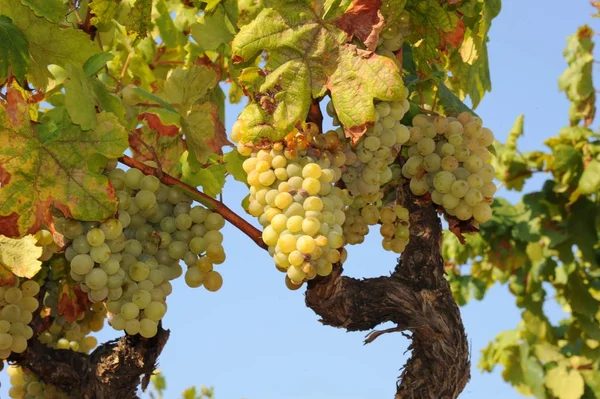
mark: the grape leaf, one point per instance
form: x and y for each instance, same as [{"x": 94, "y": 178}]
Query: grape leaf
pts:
[
  {"x": 363, "y": 20},
  {"x": 96, "y": 62},
  {"x": 37, "y": 174},
  {"x": 162, "y": 126},
  {"x": 79, "y": 100},
  {"x": 72, "y": 302},
  {"x": 48, "y": 42},
  {"x": 186, "y": 86},
  {"x": 14, "y": 52},
  {"x": 20, "y": 255},
  {"x": 169, "y": 33},
  {"x": 564, "y": 383},
  {"x": 52, "y": 10},
  {"x": 212, "y": 30},
  {"x": 7, "y": 279},
  {"x": 169, "y": 149},
  {"x": 139, "y": 18},
  {"x": 103, "y": 10},
  {"x": 211, "y": 178},
  {"x": 204, "y": 132},
  {"x": 233, "y": 163},
  {"x": 589, "y": 182},
  {"x": 307, "y": 56}
]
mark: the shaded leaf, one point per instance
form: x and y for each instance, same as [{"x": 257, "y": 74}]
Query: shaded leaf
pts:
[
  {"x": 212, "y": 30},
  {"x": 139, "y": 18},
  {"x": 79, "y": 100},
  {"x": 52, "y": 10},
  {"x": 204, "y": 132},
  {"x": 233, "y": 163},
  {"x": 14, "y": 50}
]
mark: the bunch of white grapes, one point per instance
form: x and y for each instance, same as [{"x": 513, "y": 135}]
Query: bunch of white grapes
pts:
[
  {"x": 75, "y": 335},
  {"x": 392, "y": 36},
  {"x": 293, "y": 195},
  {"x": 128, "y": 261},
  {"x": 368, "y": 162},
  {"x": 17, "y": 304},
  {"x": 449, "y": 158},
  {"x": 26, "y": 385},
  {"x": 46, "y": 241},
  {"x": 393, "y": 219}
]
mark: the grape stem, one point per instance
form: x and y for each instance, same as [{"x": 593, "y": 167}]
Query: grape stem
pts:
[{"x": 213, "y": 204}]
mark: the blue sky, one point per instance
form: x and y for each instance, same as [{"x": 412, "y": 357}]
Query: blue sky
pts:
[{"x": 255, "y": 339}]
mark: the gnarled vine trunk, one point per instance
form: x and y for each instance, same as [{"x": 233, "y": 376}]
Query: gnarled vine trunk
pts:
[{"x": 417, "y": 298}]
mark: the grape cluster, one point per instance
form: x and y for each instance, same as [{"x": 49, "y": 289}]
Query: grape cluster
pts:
[
  {"x": 368, "y": 162},
  {"x": 129, "y": 260},
  {"x": 46, "y": 241},
  {"x": 293, "y": 195},
  {"x": 26, "y": 385},
  {"x": 393, "y": 219},
  {"x": 449, "y": 158},
  {"x": 392, "y": 36},
  {"x": 17, "y": 304},
  {"x": 75, "y": 335}
]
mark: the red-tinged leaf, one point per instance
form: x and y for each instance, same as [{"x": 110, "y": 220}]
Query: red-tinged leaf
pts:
[
  {"x": 168, "y": 149},
  {"x": 7, "y": 279},
  {"x": 44, "y": 165},
  {"x": 355, "y": 133},
  {"x": 204, "y": 131},
  {"x": 155, "y": 123},
  {"x": 72, "y": 302},
  {"x": 363, "y": 20},
  {"x": 454, "y": 38}
]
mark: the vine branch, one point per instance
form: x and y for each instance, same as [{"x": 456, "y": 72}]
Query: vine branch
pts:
[{"x": 204, "y": 199}]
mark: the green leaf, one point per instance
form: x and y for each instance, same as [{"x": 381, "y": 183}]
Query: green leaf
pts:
[
  {"x": 211, "y": 179},
  {"x": 48, "y": 42},
  {"x": 589, "y": 182},
  {"x": 233, "y": 163},
  {"x": 41, "y": 174},
  {"x": 52, "y": 10},
  {"x": 451, "y": 104},
  {"x": 565, "y": 383},
  {"x": 212, "y": 30},
  {"x": 96, "y": 62},
  {"x": 79, "y": 100},
  {"x": 186, "y": 86},
  {"x": 169, "y": 33},
  {"x": 139, "y": 19},
  {"x": 14, "y": 50},
  {"x": 104, "y": 10},
  {"x": 20, "y": 256},
  {"x": 307, "y": 56}
]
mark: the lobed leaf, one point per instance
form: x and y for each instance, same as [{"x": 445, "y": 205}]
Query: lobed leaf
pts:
[
  {"x": 20, "y": 256},
  {"x": 37, "y": 174}
]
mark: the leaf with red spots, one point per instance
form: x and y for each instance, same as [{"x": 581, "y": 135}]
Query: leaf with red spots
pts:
[
  {"x": 363, "y": 20},
  {"x": 168, "y": 149},
  {"x": 44, "y": 164},
  {"x": 157, "y": 123},
  {"x": 453, "y": 38},
  {"x": 7, "y": 279},
  {"x": 204, "y": 132},
  {"x": 72, "y": 302}
]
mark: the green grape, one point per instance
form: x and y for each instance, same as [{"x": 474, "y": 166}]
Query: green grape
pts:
[
  {"x": 145, "y": 199},
  {"x": 133, "y": 247},
  {"x": 155, "y": 310},
  {"x": 141, "y": 298},
  {"x": 129, "y": 311},
  {"x": 198, "y": 245},
  {"x": 214, "y": 221},
  {"x": 95, "y": 237},
  {"x": 82, "y": 264},
  {"x": 13, "y": 295},
  {"x": 305, "y": 244},
  {"x": 30, "y": 288},
  {"x": 96, "y": 279},
  {"x": 214, "y": 236},
  {"x": 473, "y": 197},
  {"x": 112, "y": 228},
  {"x": 443, "y": 181},
  {"x": 81, "y": 245},
  {"x": 133, "y": 177},
  {"x": 183, "y": 222},
  {"x": 459, "y": 188},
  {"x": 139, "y": 271},
  {"x": 132, "y": 327},
  {"x": 449, "y": 201},
  {"x": 194, "y": 277},
  {"x": 100, "y": 254},
  {"x": 177, "y": 249},
  {"x": 482, "y": 212},
  {"x": 213, "y": 281},
  {"x": 150, "y": 183},
  {"x": 148, "y": 328}
]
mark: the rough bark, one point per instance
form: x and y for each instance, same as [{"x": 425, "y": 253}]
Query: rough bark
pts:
[
  {"x": 417, "y": 298},
  {"x": 114, "y": 370}
]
